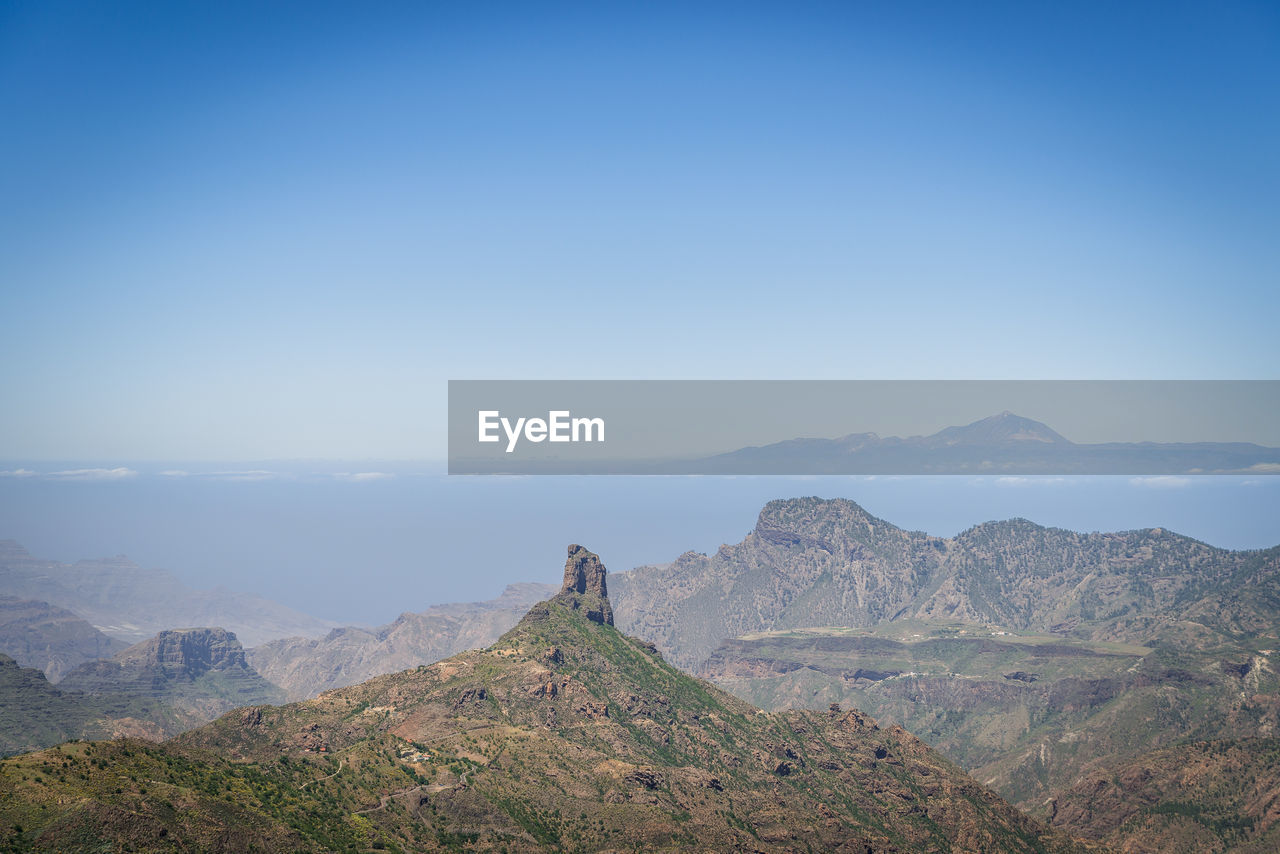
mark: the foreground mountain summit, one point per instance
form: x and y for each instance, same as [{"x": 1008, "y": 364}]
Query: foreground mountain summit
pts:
[{"x": 564, "y": 735}]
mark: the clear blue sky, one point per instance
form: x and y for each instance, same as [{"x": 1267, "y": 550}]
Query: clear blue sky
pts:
[{"x": 263, "y": 230}]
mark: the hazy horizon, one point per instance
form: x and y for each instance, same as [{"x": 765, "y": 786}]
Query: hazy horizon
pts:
[{"x": 416, "y": 539}]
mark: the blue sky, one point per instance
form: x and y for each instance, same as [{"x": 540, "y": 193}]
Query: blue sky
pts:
[{"x": 253, "y": 231}]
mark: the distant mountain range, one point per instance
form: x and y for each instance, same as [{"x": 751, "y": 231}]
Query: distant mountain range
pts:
[
  {"x": 306, "y": 666},
  {"x": 817, "y": 562},
  {"x": 1001, "y": 444}
]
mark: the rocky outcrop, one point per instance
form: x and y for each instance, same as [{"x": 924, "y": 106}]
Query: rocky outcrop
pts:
[
  {"x": 201, "y": 672},
  {"x": 178, "y": 654},
  {"x": 584, "y": 573},
  {"x": 584, "y": 585}
]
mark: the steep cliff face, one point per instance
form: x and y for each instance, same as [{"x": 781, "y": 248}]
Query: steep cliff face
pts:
[
  {"x": 200, "y": 673},
  {"x": 186, "y": 653},
  {"x": 584, "y": 586}
]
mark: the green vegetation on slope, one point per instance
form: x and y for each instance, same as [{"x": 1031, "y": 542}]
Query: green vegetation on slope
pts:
[{"x": 565, "y": 735}]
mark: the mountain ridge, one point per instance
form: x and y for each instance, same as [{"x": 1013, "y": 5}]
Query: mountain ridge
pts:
[
  {"x": 306, "y": 666},
  {"x": 819, "y": 562}
]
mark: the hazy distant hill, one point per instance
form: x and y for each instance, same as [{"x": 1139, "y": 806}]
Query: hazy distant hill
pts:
[
  {"x": 565, "y": 735},
  {"x": 131, "y": 603},
  {"x": 51, "y": 639},
  {"x": 304, "y": 666},
  {"x": 1001, "y": 444}
]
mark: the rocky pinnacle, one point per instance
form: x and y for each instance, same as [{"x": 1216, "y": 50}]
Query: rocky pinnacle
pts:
[{"x": 584, "y": 575}]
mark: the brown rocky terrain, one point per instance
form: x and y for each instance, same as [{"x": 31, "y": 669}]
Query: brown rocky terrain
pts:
[{"x": 1213, "y": 796}]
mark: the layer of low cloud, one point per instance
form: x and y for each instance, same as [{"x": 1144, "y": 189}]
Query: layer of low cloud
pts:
[
  {"x": 362, "y": 476},
  {"x": 1162, "y": 481},
  {"x": 119, "y": 473},
  {"x": 1014, "y": 480}
]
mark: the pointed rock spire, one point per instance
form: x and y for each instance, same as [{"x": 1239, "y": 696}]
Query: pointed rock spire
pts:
[{"x": 584, "y": 575}]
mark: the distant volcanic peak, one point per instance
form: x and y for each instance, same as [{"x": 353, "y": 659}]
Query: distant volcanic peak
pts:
[
  {"x": 1005, "y": 427},
  {"x": 584, "y": 575}
]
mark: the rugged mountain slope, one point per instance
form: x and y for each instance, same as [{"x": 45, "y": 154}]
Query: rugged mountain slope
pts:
[
  {"x": 131, "y": 603},
  {"x": 305, "y": 666},
  {"x": 813, "y": 562},
  {"x": 1026, "y": 714},
  {"x": 34, "y": 714},
  {"x": 40, "y": 635},
  {"x": 199, "y": 673},
  {"x": 808, "y": 562},
  {"x": 1205, "y": 797},
  {"x": 564, "y": 735}
]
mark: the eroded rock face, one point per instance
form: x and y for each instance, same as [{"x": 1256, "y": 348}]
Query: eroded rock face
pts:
[
  {"x": 188, "y": 653},
  {"x": 584, "y": 584},
  {"x": 583, "y": 572}
]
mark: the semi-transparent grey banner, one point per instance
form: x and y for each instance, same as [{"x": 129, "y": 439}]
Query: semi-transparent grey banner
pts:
[{"x": 864, "y": 427}]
